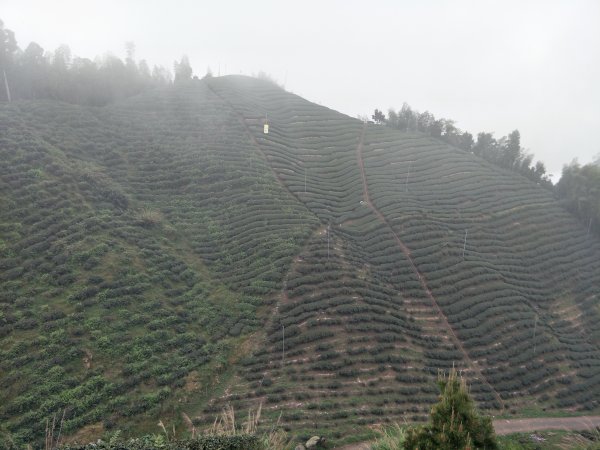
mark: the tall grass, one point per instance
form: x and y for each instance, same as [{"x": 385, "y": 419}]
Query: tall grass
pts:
[
  {"x": 392, "y": 438},
  {"x": 52, "y": 440},
  {"x": 225, "y": 424}
]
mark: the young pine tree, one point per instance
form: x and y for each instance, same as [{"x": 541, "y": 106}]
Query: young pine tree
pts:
[{"x": 454, "y": 423}]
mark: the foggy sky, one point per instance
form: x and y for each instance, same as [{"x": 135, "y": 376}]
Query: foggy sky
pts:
[{"x": 489, "y": 65}]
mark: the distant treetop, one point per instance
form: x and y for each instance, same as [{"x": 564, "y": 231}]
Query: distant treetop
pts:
[{"x": 505, "y": 152}]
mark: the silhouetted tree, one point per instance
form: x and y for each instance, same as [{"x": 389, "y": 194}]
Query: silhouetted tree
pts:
[
  {"x": 506, "y": 151},
  {"x": 425, "y": 121},
  {"x": 465, "y": 141},
  {"x": 579, "y": 192},
  {"x": 378, "y": 117},
  {"x": 183, "y": 70},
  {"x": 485, "y": 146},
  {"x": 392, "y": 119},
  {"x": 407, "y": 119}
]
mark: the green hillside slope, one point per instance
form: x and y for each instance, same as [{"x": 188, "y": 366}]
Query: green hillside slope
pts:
[{"x": 164, "y": 255}]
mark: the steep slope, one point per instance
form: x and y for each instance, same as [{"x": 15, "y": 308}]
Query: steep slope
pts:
[
  {"x": 109, "y": 217},
  {"x": 163, "y": 254},
  {"x": 495, "y": 277}
]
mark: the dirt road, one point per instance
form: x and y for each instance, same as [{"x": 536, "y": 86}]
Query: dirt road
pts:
[{"x": 508, "y": 426}]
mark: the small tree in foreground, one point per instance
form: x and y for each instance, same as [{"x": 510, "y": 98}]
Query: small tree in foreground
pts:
[{"x": 454, "y": 423}]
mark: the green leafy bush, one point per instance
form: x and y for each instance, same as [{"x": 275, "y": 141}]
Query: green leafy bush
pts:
[{"x": 158, "y": 442}]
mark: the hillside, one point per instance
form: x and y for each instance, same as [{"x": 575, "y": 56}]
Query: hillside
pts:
[{"x": 162, "y": 255}]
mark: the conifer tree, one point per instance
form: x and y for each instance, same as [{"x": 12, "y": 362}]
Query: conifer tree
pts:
[{"x": 454, "y": 423}]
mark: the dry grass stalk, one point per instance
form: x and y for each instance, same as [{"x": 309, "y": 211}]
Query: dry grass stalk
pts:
[
  {"x": 253, "y": 419},
  {"x": 62, "y": 421},
  {"x": 49, "y": 441},
  {"x": 225, "y": 424},
  {"x": 162, "y": 426},
  {"x": 189, "y": 424},
  {"x": 276, "y": 439}
]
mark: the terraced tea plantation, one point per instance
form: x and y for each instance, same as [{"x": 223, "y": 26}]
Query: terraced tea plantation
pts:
[{"x": 163, "y": 255}]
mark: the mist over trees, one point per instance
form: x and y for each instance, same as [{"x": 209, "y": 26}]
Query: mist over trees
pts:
[
  {"x": 578, "y": 188},
  {"x": 579, "y": 191},
  {"x": 505, "y": 152},
  {"x": 34, "y": 73}
]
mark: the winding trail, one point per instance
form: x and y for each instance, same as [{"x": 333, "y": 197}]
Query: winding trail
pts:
[
  {"x": 282, "y": 297},
  {"x": 406, "y": 251}
]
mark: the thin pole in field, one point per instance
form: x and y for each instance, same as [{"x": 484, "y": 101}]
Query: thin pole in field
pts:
[
  {"x": 534, "y": 330},
  {"x": 282, "y": 344},
  {"x": 328, "y": 242},
  {"x": 6, "y": 87},
  {"x": 305, "y": 180}
]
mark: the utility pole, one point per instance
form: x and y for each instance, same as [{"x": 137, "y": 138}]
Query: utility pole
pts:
[
  {"x": 282, "y": 344},
  {"x": 6, "y": 86},
  {"x": 589, "y": 226},
  {"x": 305, "y": 180},
  {"x": 465, "y": 243},
  {"x": 407, "y": 175},
  {"x": 327, "y": 242},
  {"x": 534, "y": 330}
]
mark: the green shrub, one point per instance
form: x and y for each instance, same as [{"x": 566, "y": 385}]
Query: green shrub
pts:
[{"x": 158, "y": 442}]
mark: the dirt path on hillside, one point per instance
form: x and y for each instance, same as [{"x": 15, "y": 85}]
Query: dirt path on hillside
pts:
[
  {"x": 508, "y": 426},
  {"x": 283, "y": 296},
  {"x": 404, "y": 248}
]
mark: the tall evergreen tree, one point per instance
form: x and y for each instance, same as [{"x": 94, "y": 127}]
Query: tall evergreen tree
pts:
[
  {"x": 183, "y": 70},
  {"x": 454, "y": 423}
]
